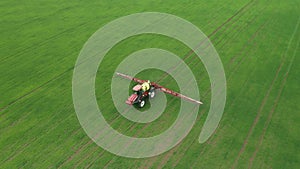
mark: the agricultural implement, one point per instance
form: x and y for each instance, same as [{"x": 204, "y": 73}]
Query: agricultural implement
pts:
[{"x": 146, "y": 89}]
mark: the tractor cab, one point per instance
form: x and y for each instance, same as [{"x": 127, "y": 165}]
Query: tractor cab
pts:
[
  {"x": 137, "y": 88},
  {"x": 140, "y": 94}
]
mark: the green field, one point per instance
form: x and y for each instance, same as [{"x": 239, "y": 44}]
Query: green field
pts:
[{"x": 258, "y": 43}]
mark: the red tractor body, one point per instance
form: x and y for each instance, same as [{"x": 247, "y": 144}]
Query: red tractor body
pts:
[{"x": 139, "y": 96}]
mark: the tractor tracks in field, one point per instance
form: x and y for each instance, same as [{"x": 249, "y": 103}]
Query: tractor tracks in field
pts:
[
  {"x": 270, "y": 115},
  {"x": 249, "y": 41},
  {"x": 34, "y": 90},
  {"x": 236, "y": 67},
  {"x": 150, "y": 162},
  {"x": 186, "y": 56},
  {"x": 47, "y": 82},
  {"x": 141, "y": 130},
  {"x": 33, "y": 140},
  {"x": 131, "y": 127},
  {"x": 60, "y": 76},
  {"x": 167, "y": 156},
  {"x": 243, "y": 28},
  {"x": 258, "y": 115},
  {"x": 233, "y": 58},
  {"x": 170, "y": 153},
  {"x": 51, "y": 79},
  {"x": 214, "y": 142},
  {"x": 55, "y": 76},
  {"x": 239, "y": 63},
  {"x": 135, "y": 135},
  {"x": 191, "y": 52},
  {"x": 80, "y": 149},
  {"x": 71, "y": 68},
  {"x": 261, "y": 138},
  {"x": 243, "y": 50},
  {"x": 176, "y": 147},
  {"x": 39, "y": 18},
  {"x": 42, "y": 43},
  {"x": 229, "y": 19}
]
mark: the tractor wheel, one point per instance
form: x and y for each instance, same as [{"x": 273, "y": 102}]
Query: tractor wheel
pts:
[
  {"x": 152, "y": 94},
  {"x": 142, "y": 103}
]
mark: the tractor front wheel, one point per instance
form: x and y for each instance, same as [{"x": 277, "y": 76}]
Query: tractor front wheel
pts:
[
  {"x": 142, "y": 103},
  {"x": 152, "y": 94}
]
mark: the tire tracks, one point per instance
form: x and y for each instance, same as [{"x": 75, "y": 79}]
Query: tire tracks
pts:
[
  {"x": 91, "y": 141},
  {"x": 275, "y": 104},
  {"x": 249, "y": 41},
  {"x": 33, "y": 91},
  {"x": 264, "y": 100}
]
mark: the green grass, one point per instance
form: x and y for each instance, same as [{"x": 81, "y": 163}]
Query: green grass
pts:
[{"x": 259, "y": 48}]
